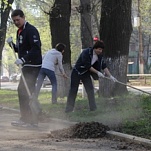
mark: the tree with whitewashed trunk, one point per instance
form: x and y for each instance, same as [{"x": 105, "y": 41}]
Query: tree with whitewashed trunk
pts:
[
  {"x": 59, "y": 18},
  {"x": 115, "y": 31}
]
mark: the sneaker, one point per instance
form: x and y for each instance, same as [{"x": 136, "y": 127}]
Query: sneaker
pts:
[{"x": 18, "y": 123}]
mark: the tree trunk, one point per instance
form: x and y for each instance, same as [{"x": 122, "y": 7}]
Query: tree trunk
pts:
[
  {"x": 118, "y": 68},
  {"x": 59, "y": 26},
  {"x": 86, "y": 32},
  {"x": 62, "y": 83},
  {"x": 115, "y": 31},
  {"x": 4, "y": 12}
]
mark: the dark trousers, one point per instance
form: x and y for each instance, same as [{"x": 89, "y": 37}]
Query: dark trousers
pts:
[
  {"x": 87, "y": 82},
  {"x": 30, "y": 74}
]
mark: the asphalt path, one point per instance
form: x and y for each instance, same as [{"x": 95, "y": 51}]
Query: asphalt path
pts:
[{"x": 13, "y": 86}]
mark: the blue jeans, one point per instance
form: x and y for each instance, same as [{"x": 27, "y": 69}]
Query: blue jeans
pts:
[{"x": 51, "y": 75}]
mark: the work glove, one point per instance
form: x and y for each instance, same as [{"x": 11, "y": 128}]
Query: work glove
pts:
[
  {"x": 100, "y": 75},
  {"x": 19, "y": 61},
  {"x": 113, "y": 79},
  {"x": 10, "y": 40}
]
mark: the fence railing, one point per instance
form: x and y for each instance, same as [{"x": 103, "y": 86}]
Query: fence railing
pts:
[{"x": 140, "y": 76}]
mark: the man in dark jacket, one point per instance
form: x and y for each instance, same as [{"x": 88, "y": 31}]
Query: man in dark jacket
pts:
[
  {"x": 89, "y": 63},
  {"x": 28, "y": 47}
]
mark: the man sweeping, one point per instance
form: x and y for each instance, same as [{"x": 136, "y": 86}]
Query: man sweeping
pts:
[{"x": 28, "y": 47}]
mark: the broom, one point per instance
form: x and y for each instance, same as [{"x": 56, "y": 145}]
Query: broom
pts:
[{"x": 130, "y": 86}]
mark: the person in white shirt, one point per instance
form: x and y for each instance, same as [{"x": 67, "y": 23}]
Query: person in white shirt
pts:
[{"x": 52, "y": 58}]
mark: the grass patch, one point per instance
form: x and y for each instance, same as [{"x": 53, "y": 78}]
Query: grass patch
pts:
[
  {"x": 129, "y": 114},
  {"x": 140, "y": 126},
  {"x": 9, "y": 98}
]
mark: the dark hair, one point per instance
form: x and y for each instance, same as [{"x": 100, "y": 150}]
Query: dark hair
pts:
[
  {"x": 60, "y": 47},
  {"x": 99, "y": 44},
  {"x": 17, "y": 12}
]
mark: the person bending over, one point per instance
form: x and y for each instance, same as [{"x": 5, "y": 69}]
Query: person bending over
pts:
[{"x": 89, "y": 63}]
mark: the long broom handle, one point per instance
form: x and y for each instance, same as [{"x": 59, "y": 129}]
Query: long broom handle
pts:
[
  {"x": 23, "y": 77},
  {"x": 129, "y": 86}
]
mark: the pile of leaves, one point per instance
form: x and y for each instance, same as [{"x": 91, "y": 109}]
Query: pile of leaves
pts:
[{"x": 83, "y": 130}]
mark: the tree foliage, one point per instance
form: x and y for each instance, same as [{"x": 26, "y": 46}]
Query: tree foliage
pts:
[{"x": 145, "y": 13}]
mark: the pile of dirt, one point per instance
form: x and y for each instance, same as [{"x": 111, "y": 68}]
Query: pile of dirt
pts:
[{"x": 83, "y": 130}]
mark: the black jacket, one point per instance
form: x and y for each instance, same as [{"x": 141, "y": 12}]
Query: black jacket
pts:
[
  {"x": 83, "y": 63},
  {"x": 28, "y": 45}
]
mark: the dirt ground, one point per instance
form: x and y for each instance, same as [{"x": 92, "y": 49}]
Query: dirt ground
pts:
[{"x": 21, "y": 139}]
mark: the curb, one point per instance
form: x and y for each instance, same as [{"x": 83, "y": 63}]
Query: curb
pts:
[
  {"x": 7, "y": 108},
  {"x": 130, "y": 138}
]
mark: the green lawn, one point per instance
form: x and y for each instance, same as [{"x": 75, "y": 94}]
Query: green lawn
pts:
[{"x": 130, "y": 114}]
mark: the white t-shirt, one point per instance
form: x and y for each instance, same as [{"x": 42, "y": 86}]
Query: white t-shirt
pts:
[
  {"x": 94, "y": 58},
  {"x": 52, "y": 58}
]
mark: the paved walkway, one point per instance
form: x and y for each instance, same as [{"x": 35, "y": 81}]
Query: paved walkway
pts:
[
  {"x": 35, "y": 139},
  {"x": 6, "y": 116}
]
